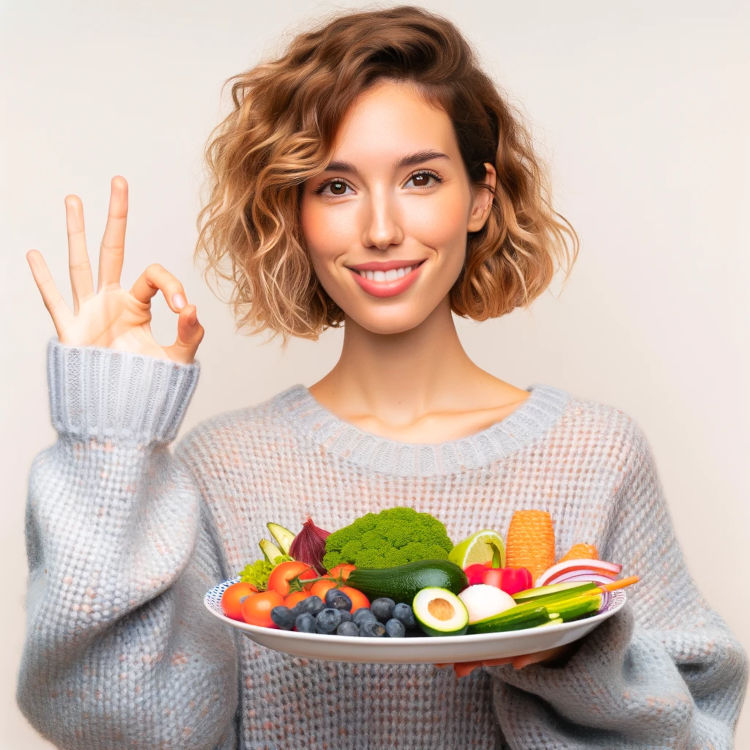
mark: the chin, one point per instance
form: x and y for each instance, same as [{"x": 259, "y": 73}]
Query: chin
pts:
[{"x": 385, "y": 327}]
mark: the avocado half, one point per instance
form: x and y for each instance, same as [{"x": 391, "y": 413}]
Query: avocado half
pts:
[{"x": 440, "y": 612}]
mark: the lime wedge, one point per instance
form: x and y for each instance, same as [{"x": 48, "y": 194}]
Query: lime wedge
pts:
[{"x": 479, "y": 548}]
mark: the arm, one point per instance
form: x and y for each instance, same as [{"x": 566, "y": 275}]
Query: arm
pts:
[
  {"x": 665, "y": 672},
  {"x": 119, "y": 650}
]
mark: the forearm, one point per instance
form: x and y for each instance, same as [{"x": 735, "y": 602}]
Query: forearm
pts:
[
  {"x": 119, "y": 651},
  {"x": 623, "y": 689}
]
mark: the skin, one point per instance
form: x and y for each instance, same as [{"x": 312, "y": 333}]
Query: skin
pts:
[
  {"x": 386, "y": 380},
  {"x": 402, "y": 373},
  {"x": 110, "y": 316}
]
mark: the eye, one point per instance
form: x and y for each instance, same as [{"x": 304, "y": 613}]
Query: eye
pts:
[
  {"x": 423, "y": 179},
  {"x": 332, "y": 187}
]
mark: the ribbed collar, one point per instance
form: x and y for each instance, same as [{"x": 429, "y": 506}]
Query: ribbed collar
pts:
[{"x": 521, "y": 427}]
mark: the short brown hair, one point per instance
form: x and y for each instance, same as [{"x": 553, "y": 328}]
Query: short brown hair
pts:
[{"x": 281, "y": 132}]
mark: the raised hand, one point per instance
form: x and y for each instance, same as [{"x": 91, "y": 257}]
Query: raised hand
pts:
[{"x": 111, "y": 316}]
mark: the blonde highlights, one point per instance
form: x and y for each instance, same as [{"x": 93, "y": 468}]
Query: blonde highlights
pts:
[{"x": 281, "y": 131}]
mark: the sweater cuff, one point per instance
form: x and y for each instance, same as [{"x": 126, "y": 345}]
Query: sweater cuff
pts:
[{"x": 103, "y": 394}]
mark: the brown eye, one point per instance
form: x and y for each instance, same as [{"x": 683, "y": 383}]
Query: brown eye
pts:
[
  {"x": 423, "y": 179},
  {"x": 337, "y": 187}
]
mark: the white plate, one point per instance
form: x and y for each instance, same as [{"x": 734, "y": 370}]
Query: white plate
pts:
[{"x": 414, "y": 649}]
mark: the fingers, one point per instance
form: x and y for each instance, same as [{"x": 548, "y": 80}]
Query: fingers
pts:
[
  {"x": 113, "y": 242},
  {"x": 81, "y": 280},
  {"x": 189, "y": 336},
  {"x": 497, "y": 662},
  {"x": 462, "y": 669},
  {"x": 156, "y": 278},
  {"x": 189, "y": 331},
  {"x": 52, "y": 298},
  {"x": 465, "y": 668}
]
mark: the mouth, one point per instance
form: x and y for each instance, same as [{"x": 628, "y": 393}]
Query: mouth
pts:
[
  {"x": 387, "y": 271},
  {"x": 386, "y": 282}
]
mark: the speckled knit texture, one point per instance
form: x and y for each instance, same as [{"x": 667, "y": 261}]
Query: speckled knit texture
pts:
[{"x": 124, "y": 537}]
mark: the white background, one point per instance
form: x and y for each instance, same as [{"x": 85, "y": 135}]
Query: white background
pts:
[{"x": 640, "y": 109}]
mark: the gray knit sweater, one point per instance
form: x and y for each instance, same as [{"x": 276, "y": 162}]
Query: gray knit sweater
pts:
[{"x": 124, "y": 537}]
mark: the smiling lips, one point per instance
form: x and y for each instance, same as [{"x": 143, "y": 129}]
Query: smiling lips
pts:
[{"x": 386, "y": 279}]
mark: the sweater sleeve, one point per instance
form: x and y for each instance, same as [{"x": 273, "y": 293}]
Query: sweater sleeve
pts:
[
  {"x": 665, "y": 672},
  {"x": 119, "y": 650}
]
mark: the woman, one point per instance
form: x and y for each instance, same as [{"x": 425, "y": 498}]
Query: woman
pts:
[{"x": 372, "y": 178}]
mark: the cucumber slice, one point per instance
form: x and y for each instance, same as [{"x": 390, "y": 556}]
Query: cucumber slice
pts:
[
  {"x": 516, "y": 618},
  {"x": 270, "y": 551},
  {"x": 553, "y": 621},
  {"x": 283, "y": 537}
]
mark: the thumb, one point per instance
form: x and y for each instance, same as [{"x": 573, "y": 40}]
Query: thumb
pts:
[{"x": 189, "y": 335}]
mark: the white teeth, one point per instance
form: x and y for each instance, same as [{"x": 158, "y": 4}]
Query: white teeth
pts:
[{"x": 392, "y": 275}]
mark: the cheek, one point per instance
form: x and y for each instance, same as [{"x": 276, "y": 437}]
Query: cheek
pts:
[
  {"x": 319, "y": 235},
  {"x": 441, "y": 223}
]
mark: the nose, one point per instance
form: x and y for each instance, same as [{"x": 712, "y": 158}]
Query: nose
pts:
[{"x": 381, "y": 222}]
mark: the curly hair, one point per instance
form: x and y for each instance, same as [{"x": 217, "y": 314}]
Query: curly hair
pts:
[{"x": 281, "y": 132}]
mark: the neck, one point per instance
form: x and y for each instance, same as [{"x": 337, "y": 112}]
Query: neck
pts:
[{"x": 400, "y": 377}]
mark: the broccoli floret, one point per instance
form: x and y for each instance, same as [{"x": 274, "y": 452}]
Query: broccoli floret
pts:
[{"x": 392, "y": 537}]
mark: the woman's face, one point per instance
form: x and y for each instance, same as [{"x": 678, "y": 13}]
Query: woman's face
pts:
[{"x": 386, "y": 223}]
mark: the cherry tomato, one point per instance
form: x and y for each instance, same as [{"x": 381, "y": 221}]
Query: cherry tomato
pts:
[
  {"x": 256, "y": 609},
  {"x": 282, "y": 574},
  {"x": 341, "y": 571},
  {"x": 232, "y": 598},
  {"x": 319, "y": 588},
  {"x": 357, "y": 597},
  {"x": 296, "y": 596}
]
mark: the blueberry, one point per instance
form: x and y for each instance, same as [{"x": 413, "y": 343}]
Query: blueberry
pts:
[
  {"x": 382, "y": 608},
  {"x": 362, "y": 614},
  {"x": 372, "y": 629},
  {"x": 347, "y": 628},
  {"x": 327, "y": 620},
  {"x": 283, "y": 617},
  {"x": 403, "y": 612},
  {"x": 338, "y": 599},
  {"x": 313, "y": 605},
  {"x": 305, "y": 623},
  {"x": 346, "y": 615},
  {"x": 395, "y": 628}
]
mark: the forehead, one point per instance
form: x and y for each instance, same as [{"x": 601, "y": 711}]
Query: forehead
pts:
[{"x": 393, "y": 117}]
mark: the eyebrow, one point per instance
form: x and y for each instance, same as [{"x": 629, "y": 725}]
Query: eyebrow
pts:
[{"x": 407, "y": 161}]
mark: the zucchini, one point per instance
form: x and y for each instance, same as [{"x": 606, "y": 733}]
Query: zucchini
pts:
[
  {"x": 516, "y": 618},
  {"x": 569, "y": 603},
  {"x": 534, "y": 593},
  {"x": 578, "y": 606},
  {"x": 402, "y": 582}
]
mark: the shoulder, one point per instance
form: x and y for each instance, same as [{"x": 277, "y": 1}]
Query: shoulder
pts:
[
  {"x": 594, "y": 426},
  {"x": 265, "y": 422}
]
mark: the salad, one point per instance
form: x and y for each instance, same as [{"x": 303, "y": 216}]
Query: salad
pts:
[{"x": 397, "y": 573}]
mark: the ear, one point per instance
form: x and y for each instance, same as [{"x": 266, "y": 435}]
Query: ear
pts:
[{"x": 481, "y": 202}]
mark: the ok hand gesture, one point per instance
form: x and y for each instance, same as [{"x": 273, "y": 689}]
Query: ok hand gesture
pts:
[{"x": 111, "y": 316}]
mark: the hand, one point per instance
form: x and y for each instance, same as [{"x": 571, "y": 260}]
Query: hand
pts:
[
  {"x": 465, "y": 668},
  {"x": 112, "y": 317}
]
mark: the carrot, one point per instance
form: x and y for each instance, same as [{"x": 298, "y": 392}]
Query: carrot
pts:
[
  {"x": 621, "y": 584},
  {"x": 581, "y": 551},
  {"x": 530, "y": 542}
]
